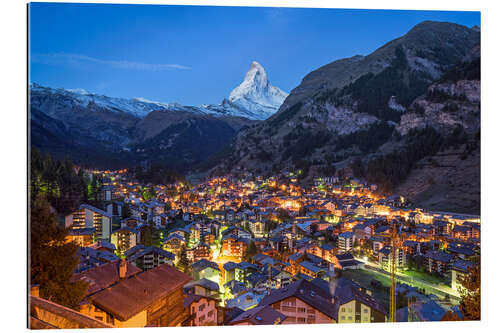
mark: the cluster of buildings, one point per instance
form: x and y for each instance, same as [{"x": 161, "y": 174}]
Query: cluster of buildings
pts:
[{"x": 255, "y": 251}]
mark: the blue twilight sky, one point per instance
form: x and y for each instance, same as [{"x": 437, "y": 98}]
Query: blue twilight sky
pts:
[{"x": 196, "y": 54}]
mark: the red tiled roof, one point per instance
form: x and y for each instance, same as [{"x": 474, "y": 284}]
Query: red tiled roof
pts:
[
  {"x": 104, "y": 276},
  {"x": 131, "y": 296}
]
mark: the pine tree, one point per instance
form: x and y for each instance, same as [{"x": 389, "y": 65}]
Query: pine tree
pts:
[
  {"x": 470, "y": 293},
  {"x": 52, "y": 259}
]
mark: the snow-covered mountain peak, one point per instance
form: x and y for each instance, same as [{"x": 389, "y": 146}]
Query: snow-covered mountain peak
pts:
[
  {"x": 255, "y": 98},
  {"x": 256, "y": 94}
]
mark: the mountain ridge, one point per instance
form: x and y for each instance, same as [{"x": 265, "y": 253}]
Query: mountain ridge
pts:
[{"x": 255, "y": 98}]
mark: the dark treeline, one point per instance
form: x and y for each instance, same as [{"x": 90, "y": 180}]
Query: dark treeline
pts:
[
  {"x": 157, "y": 174},
  {"x": 63, "y": 185},
  {"x": 390, "y": 170},
  {"x": 374, "y": 90},
  {"x": 56, "y": 184}
]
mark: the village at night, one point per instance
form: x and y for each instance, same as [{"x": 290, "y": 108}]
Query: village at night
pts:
[{"x": 170, "y": 183}]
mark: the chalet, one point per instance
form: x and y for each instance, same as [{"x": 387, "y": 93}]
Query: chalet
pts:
[
  {"x": 131, "y": 222},
  {"x": 82, "y": 237},
  {"x": 439, "y": 262},
  {"x": 115, "y": 208},
  {"x": 234, "y": 246},
  {"x": 149, "y": 257},
  {"x": 310, "y": 269},
  {"x": 203, "y": 287},
  {"x": 346, "y": 261},
  {"x": 205, "y": 269},
  {"x": 161, "y": 220},
  {"x": 256, "y": 227},
  {"x": 442, "y": 227},
  {"x": 202, "y": 310},
  {"x": 174, "y": 243},
  {"x": 294, "y": 261},
  {"x": 105, "y": 246},
  {"x": 233, "y": 271},
  {"x": 235, "y": 288},
  {"x": 151, "y": 298},
  {"x": 421, "y": 311},
  {"x": 462, "y": 232},
  {"x": 461, "y": 250},
  {"x": 201, "y": 251},
  {"x": 257, "y": 281},
  {"x": 378, "y": 242},
  {"x": 352, "y": 303},
  {"x": 125, "y": 238},
  {"x": 411, "y": 248},
  {"x": 302, "y": 302}
]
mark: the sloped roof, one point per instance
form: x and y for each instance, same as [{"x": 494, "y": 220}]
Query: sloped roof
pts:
[
  {"x": 346, "y": 234},
  {"x": 205, "y": 283},
  {"x": 151, "y": 249},
  {"x": 347, "y": 290},
  {"x": 131, "y": 296},
  {"x": 260, "y": 315},
  {"x": 203, "y": 264},
  {"x": 104, "y": 276},
  {"x": 305, "y": 291},
  {"x": 73, "y": 318},
  {"x": 312, "y": 267},
  {"x": 95, "y": 210},
  {"x": 440, "y": 256},
  {"x": 81, "y": 232}
]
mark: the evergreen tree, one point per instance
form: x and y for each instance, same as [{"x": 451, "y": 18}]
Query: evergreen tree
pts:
[{"x": 52, "y": 259}]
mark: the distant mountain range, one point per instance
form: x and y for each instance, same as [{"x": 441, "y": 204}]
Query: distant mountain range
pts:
[
  {"x": 93, "y": 128},
  {"x": 255, "y": 99}
]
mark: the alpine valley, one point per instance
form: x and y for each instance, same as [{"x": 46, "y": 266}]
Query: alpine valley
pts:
[{"x": 405, "y": 117}]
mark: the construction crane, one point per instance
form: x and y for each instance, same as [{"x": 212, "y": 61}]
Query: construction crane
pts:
[{"x": 395, "y": 244}]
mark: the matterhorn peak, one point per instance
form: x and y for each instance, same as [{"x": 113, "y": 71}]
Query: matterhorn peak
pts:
[
  {"x": 256, "y": 94},
  {"x": 256, "y": 75}
]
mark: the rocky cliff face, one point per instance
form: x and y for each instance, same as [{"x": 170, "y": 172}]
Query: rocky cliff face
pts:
[
  {"x": 351, "y": 106},
  {"x": 445, "y": 106},
  {"x": 448, "y": 179}
]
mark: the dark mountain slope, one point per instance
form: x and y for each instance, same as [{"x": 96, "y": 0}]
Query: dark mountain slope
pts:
[{"x": 350, "y": 107}]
